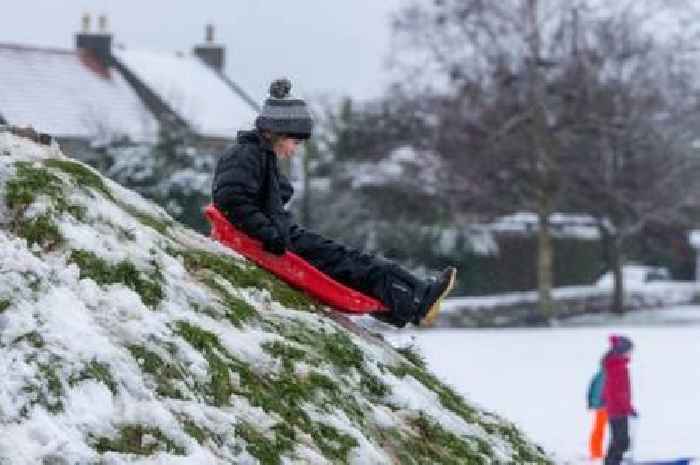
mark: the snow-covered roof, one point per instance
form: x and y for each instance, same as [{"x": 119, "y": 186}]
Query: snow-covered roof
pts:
[
  {"x": 66, "y": 93},
  {"x": 566, "y": 224},
  {"x": 192, "y": 89}
]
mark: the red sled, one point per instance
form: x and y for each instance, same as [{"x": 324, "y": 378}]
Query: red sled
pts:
[{"x": 292, "y": 269}]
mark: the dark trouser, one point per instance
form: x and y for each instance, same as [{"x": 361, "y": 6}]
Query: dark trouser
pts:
[
  {"x": 375, "y": 276},
  {"x": 619, "y": 440}
]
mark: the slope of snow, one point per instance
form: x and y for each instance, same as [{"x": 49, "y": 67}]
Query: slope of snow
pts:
[{"x": 128, "y": 339}]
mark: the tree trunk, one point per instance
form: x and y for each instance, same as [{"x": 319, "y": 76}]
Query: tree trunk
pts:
[
  {"x": 545, "y": 259},
  {"x": 543, "y": 163},
  {"x": 617, "y": 304},
  {"x": 613, "y": 259}
]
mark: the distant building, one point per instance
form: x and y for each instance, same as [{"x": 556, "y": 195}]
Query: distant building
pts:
[{"x": 97, "y": 94}]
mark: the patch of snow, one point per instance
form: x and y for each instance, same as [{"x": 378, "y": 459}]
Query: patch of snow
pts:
[
  {"x": 694, "y": 238},
  {"x": 562, "y": 224},
  {"x": 635, "y": 275}
]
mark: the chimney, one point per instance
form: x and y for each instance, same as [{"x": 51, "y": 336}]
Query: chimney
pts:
[
  {"x": 99, "y": 43},
  {"x": 211, "y": 53}
]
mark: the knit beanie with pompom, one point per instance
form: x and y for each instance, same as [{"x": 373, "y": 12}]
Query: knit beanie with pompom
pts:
[{"x": 283, "y": 114}]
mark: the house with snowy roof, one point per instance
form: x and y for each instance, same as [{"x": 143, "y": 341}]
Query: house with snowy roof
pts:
[{"x": 96, "y": 93}]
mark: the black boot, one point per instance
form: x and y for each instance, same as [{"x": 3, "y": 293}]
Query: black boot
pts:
[
  {"x": 402, "y": 293},
  {"x": 429, "y": 306}
]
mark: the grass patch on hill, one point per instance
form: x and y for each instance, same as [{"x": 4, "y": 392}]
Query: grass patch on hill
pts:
[
  {"x": 434, "y": 444},
  {"x": 237, "y": 310},
  {"x": 28, "y": 183},
  {"x": 160, "y": 225},
  {"x": 137, "y": 440},
  {"x": 167, "y": 375},
  {"x": 284, "y": 394},
  {"x": 97, "y": 371},
  {"x": 147, "y": 285},
  {"x": 523, "y": 451},
  {"x": 23, "y": 189},
  {"x": 81, "y": 175},
  {"x": 242, "y": 275}
]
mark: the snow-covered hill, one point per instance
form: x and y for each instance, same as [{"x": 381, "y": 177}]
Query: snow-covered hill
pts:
[{"x": 126, "y": 338}]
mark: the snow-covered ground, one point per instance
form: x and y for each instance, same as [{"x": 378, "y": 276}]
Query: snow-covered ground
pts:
[
  {"x": 126, "y": 338},
  {"x": 538, "y": 379}
]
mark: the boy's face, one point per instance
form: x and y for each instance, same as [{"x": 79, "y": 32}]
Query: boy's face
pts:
[{"x": 286, "y": 146}]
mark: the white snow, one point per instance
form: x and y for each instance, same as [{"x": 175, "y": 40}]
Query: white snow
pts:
[
  {"x": 635, "y": 284},
  {"x": 538, "y": 378},
  {"x": 636, "y": 275},
  {"x": 54, "y": 91},
  {"x": 694, "y": 238},
  {"x": 192, "y": 89}
]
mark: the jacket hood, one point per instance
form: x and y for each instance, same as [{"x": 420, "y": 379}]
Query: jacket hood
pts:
[
  {"x": 615, "y": 359},
  {"x": 248, "y": 137},
  {"x": 253, "y": 137},
  {"x": 620, "y": 344}
]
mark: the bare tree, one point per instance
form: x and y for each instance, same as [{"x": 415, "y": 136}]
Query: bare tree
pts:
[
  {"x": 519, "y": 82},
  {"x": 499, "y": 64},
  {"x": 634, "y": 164}
]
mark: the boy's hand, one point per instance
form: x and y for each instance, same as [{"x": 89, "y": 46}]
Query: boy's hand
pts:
[{"x": 275, "y": 246}]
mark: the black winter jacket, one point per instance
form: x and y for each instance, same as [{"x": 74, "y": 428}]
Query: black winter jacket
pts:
[{"x": 250, "y": 191}]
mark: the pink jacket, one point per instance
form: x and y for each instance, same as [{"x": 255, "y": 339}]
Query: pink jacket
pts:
[{"x": 617, "y": 391}]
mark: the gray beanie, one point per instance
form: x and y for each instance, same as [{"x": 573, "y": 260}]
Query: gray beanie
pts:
[{"x": 283, "y": 114}]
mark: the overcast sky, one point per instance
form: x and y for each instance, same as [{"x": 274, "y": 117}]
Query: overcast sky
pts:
[{"x": 337, "y": 47}]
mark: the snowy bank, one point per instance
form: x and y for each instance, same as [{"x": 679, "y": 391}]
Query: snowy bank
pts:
[
  {"x": 572, "y": 303},
  {"x": 126, "y": 338}
]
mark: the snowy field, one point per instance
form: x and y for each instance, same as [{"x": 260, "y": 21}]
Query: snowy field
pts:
[{"x": 538, "y": 379}]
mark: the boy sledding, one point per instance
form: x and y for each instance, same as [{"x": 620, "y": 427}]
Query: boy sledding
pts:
[{"x": 249, "y": 190}]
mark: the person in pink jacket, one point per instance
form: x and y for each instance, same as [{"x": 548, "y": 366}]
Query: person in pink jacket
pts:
[{"x": 617, "y": 395}]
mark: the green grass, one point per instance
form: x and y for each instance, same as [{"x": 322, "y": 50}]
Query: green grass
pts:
[
  {"x": 165, "y": 373},
  {"x": 148, "y": 286},
  {"x": 411, "y": 354},
  {"x": 243, "y": 275},
  {"x": 523, "y": 451},
  {"x": 138, "y": 440},
  {"x": 41, "y": 231},
  {"x": 284, "y": 394},
  {"x": 219, "y": 389},
  {"x": 159, "y": 225},
  {"x": 448, "y": 398},
  {"x": 432, "y": 444},
  {"x": 33, "y": 338},
  {"x": 97, "y": 371},
  {"x": 81, "y": 175},
  {"x": 237, "y": 310},
  {"x": 268, "y": 450},
  {"x": 30, "y": 182},
  {"x": 46, "y": 389},
  {"x": 199, "y": 434}
]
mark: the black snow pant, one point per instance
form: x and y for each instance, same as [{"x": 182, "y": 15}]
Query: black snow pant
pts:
[
  {"x": 372, "y": 275},
  {"x": 619, "y": 440}
]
